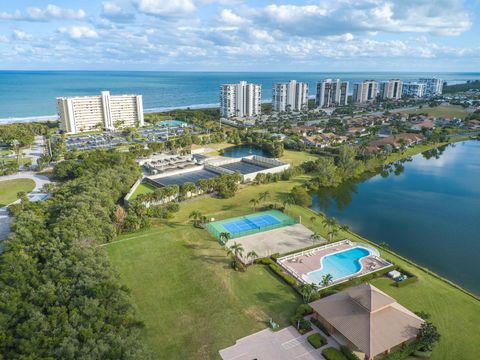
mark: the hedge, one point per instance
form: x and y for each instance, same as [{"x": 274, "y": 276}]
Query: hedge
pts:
[
  {"x": 333, "y": 354},
  {"x": 403, "y": 352},
  {"x": 304, "y": 309},
  {"x": 316, "y": 340},
  {"x": 348, "y": 353},
  {"x": 318, "y": 324},
  {"x": 263, "y": 261},
  {"x": 285, "y": 277}
]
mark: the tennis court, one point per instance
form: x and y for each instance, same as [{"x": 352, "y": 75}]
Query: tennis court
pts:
[{"x": 250, "y": 224}]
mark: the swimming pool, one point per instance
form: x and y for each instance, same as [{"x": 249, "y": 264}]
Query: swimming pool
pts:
[
  {"x": 173, "y": 123},
  {"x": 340, "y": 265}
]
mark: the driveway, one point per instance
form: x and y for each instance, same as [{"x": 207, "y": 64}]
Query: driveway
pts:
[{"x": 285, "y": 344}]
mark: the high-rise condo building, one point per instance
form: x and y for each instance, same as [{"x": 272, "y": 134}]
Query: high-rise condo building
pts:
[
  {"x": 433, "y": 86},
  {"x": 242, "y": 99},
  {"x": 391, "y": 89},
  {"x": 290, "y": 96},
  {"x": 331, "y": 93},
  {"x": 413, "y": 89},
  {"x": 87, "y": 113},
  {"x": 365, "y": 91}
]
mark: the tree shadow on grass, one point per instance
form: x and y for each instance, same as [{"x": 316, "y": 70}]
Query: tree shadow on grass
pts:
[{"x": 228, "y": 207}]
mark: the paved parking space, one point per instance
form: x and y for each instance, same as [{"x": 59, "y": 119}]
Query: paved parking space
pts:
[{"x": 286, "y": 344}]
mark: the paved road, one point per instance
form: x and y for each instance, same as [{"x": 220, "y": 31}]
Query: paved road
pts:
[{"x": 36, "y": 150}]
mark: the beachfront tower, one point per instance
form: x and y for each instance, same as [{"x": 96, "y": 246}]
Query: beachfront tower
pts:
[
  {"x": 331, "y": 93},
  {"x": 241, "y": 100},
  {"x": 290, "y": 96}
]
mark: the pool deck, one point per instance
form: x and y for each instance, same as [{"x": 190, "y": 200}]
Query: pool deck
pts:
[
  {"x": 280, "y": 240},
  {"x": 301, "y": 264}
]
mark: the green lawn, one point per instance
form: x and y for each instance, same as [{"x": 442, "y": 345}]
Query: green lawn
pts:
[
  {"x": 9, "y": 189},
  {"x": 142, "y": 189},
  {"x": 193, "y": 304},
  {"x": 442, "y": 110}
]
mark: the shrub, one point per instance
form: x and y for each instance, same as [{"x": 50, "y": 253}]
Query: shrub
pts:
[
  {"x": 403, "y": 352},
  {"x": 318, "y": 324},
  {"x": 333, "y": 354},
  {"x": 316, "y": 340},
  {"x": 263, "y": 261},
  {"x": 285, "y": 277},
  {"x": 304, "y": 309},
  {"x": 348, "y": 353}
]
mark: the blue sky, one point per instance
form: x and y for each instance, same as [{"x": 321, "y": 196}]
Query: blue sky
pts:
[{"x": 243, "y": 35}]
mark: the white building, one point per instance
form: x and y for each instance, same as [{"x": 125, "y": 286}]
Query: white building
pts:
[
  {"x": 88, "y": 113},
  {"x": 242, "y": 99},
  {"x": 433, "y": 86},
  {"x": 291, "y": 96},
  {"x": 365, "y": 91},
  {"x": 391, "y": 89},
  {"x": 413, "y": 89},
  {"x": 331, "y": 93}
]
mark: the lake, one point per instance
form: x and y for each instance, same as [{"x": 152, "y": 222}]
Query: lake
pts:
[
  {"x": 244, "y": 150},
  {"x": 426, "y": 208}
]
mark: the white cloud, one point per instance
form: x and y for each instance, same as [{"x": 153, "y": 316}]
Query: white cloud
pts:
[
  {"x": 115, "y": 12},
  {"x": 21, "y": 35},
  {"x": 334, "y": 17},
  {"x": 48, "y": 13},
  {"x": 229, "y": 17},
  {"x": 165, "y": 7},
  {"x": 79, "y": 32}
]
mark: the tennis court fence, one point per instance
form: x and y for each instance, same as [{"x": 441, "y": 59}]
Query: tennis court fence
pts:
[{"x": 216, "y": 228}]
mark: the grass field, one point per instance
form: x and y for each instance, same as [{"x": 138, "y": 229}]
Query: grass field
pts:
[
  {"x": 142, "y": 189},
  {"x": 441, "y": 111},
  {"x": 193, "y": 304},
  {"x": 9, "y": 189}
]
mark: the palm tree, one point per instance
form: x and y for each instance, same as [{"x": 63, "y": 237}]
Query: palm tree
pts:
[
  {"x": 330, "y": 223},
  {"x": 384, "y": 245},
  {"x": 315, "y": 237},
  {"x": 332, "y": 233},
  {"x": 307, "y": 290},
  {"x": 236, "y": 252},
  {"x": 254, "y": 203},
  {"x": 345, "y": 227},
  {"x": 196, "y": 216},
  {"x": 252, "y": 255},
  {"x": 224, "y": 237},
  {"x": 264, "y": 195},
  {"x": 326, "y": 279},
  {"x": 288, "y": 201},
  {"x": 313, "y": 219}
]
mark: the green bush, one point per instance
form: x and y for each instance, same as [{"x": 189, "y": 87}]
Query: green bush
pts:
[
  {"x": 403, "y": 352},
  {"x": 348, "y": 353},
  {"x": 316, "y": 340},
  {"x": 304, "y": 309},
  {"x": 285, "y": 277},
  {"x": 263, "y": 261},
  {"x": 318, "y": 324},
  {"x": 333, "y": 354}
]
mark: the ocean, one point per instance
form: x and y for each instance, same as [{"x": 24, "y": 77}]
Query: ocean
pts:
[{"x": 30, "y": 95}]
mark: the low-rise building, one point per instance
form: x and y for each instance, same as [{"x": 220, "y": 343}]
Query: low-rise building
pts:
[{"x": 367, "y": 320}]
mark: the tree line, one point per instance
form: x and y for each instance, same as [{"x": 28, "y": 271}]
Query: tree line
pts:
[{"x": 59, "y": 297}]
